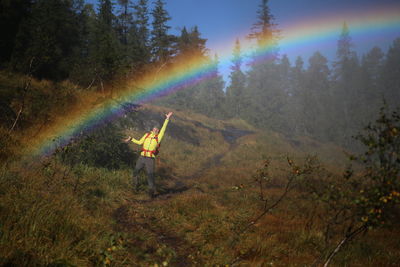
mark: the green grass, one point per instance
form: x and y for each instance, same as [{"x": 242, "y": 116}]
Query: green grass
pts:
[
  {"x": 52, "y": 214},
  {"x": 87, "y": 216}
]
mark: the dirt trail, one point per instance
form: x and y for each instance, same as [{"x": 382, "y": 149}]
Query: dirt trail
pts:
[
  {"x": 133, "y": 222},
  {"x": 129, "y": 220},
  {"x": 230, "y": 135}
]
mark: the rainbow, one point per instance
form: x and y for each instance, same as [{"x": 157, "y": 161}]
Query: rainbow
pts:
[{"x": 193, "y": 71}]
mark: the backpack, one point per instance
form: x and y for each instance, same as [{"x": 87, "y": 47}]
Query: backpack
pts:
[{"x": 152, "y": 152}]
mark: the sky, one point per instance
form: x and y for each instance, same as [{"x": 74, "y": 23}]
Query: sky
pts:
[
  {"x": 306, "y": 26},
  {"x": 222, "y": 21}
]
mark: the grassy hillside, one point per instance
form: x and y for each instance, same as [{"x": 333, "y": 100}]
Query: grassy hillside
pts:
[
  {"x": 222, "y": 200},
  {"x": 195, "y": 142}
]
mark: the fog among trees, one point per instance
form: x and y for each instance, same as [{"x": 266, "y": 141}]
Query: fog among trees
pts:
[{"x": 328, "y": 101}]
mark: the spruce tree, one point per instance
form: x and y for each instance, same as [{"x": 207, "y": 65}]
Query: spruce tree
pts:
[
  {"x": 297, "y": 76},
  {"x": 124, "y": 21},
  {"x": 190, "y": 45},
  {"x": 266, "y": 99},
  {"x": 315, "y": 109},
  {"x": 48, "y": 38},
  {"x": 183, "y": 44},
  {"x": 83, "y": 71},
  {"x": 127, "y": 35},
  {"x": 208, "y": 96},
  {"x": 160, "y": 40},
  {"x": 295, "y": 105},
  {"x": 264, "y": 33},
  {"x": 391, "y": 74},
  {"x": 142, "y": 33},
  {"x": 284, "y": 75},
  {"x": 106, "y": 52},
  {"x": 235, "y": 95},
  {"x": 371, "y": 82},
  {"x": 197, "y": 44},
  {"x": 286, "y": 87},
  {"x": 347, "y": 91},
  {"x": 12, "y": 13}
]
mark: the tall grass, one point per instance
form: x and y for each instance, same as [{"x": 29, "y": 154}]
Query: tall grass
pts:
[
  {"x": 50, "y": 213},
  {"x": 54, "y": 214}
]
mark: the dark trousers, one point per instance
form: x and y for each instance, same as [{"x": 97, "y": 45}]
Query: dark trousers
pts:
[{"x": 149, "y": 165}]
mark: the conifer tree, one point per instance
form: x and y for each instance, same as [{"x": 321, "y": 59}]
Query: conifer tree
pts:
[
  {"x": 142, "y": 33},
  {"x": 12, "y": 13},
  {"x": 315, "y": 98},
  {"x": 209, "y": 94},
  {"x": 347, "y": 91},
  {"x": 297, "y": 76},
  {"x": 284, "y": 75},
  {"x": 371, "y": 82},
  {"x": 106, "y": 15},
  {"x": 197, "y": 44},
  {"x": 286, "y": 87},
  {"x": 160, "y": 40},
  {"x": 127, "y": 35},
  {"x": 83, "y": 71},
  {"x": 48, "y": 35},
  {"x": 235, "y": 95},
  {"x": 107, "y": 54},
  {"x": 295, "y": 105},
  {"x": 124, "y": 21},
  {"x": 264, "y": 33},
  {"x": 191, "y": 44},
  {"x": 266, "y": 99},
  {"x": 188, "y": 45},
  {"x": 183, "y": 43},
  {"x": 391, "y": 74}
]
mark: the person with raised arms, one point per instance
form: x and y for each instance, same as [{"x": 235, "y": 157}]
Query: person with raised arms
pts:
[{"x": 150, "y": 143}]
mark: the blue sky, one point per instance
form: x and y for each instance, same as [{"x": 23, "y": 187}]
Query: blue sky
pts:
[{"x": 222, "y": 21}]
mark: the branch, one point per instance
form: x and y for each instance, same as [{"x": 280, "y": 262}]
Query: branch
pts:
[
  {"x": 345, "y": 240},
  {"x": 90, "y": 85},
  {"x": 271, "y": 207},
  {"x": 158, "y": 71},
  {"x": 25, "y": 90}
]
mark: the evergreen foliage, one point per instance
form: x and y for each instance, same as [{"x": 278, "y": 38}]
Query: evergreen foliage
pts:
[
  {"x": 101, "y": 148},
  {"x": 236, "y": 98},
  {"x": 142, "y": 36},
  {"x": 314, "y": 96},
  {"x": 160, "y": 39},
  {"x": 47, "y": 35},
  {"x": 67, "y": 208},
  {"x": 391, "y": 74},
  {"x": 264, "y": 32},
  {"x": 124, "y": 39},
  {"x": 11, "y": 15}
]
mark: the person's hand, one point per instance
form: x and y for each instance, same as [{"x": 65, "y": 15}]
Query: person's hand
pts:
[
  {"x": 168, "y": 115},
  {"x": 127, "y": 139}
]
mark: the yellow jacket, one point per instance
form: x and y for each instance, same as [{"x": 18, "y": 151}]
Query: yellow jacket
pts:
[{"x": 150, "y": 143}]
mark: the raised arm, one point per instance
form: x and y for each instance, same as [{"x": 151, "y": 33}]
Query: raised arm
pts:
[{"x": 164, "y": 127}]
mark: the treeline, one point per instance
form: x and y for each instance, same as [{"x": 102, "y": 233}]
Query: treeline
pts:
[
  {"x": 122, "y": 40},
  {"x": 69, "y": 39},
  {"x": 94, "y": 48},
  {"x": 329, "y": 101}
]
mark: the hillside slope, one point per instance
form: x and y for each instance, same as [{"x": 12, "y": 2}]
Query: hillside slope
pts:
[
  {"x": 209, "y": 193},
  {"x": 194, "y": 143},
  {"x": 205, "y": 212}
]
